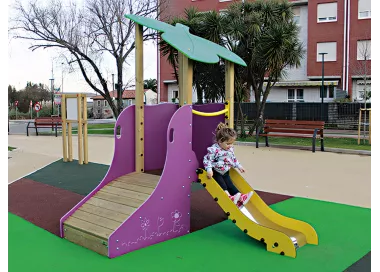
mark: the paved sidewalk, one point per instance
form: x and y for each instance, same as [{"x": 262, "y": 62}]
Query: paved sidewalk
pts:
[{"x": 35, "y": 152}]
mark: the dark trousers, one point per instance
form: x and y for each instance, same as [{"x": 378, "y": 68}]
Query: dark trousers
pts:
[{"x": 225, "y": 182}]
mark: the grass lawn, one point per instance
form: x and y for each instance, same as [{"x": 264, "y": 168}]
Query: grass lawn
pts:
[
  {"x": 346, "y": 143},
  {"x": 99, "y": 126},
  {"x": 11, "y": 148}
]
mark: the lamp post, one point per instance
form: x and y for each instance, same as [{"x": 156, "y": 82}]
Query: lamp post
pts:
[{"x": 323, "y": 82}]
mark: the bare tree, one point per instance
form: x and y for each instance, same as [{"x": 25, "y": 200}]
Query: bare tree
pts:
[
  {"x": 86, "y": 35},
  {"x": 362, "y": 69}
]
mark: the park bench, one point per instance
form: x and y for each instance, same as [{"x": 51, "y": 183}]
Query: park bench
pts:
[
  {"x": 292, "y": 128},
  {"x": 44, "y": 122}
]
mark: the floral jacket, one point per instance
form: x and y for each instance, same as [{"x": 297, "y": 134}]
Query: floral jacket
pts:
[{"x": 219, "y": 159}]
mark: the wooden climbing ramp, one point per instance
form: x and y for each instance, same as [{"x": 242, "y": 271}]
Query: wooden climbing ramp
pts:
[{"x": 91, "y": 225}]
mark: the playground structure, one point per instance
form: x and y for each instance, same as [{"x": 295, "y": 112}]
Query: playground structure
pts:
[
  {"x": 132, "y": 209},
  {"x": 365, "y": 124},
  {"x": 74, "y": 110}
]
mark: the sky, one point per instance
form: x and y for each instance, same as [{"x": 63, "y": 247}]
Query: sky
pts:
[{"x": 36, "y": 66}]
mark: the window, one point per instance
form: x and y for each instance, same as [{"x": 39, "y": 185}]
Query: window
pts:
[
  {"x": 222, "y": 12},
  {"x": 326, "y": 47},
  {"x": 364, "y": 9},
  {"x": 330, "y": 89},
  {"x": 175, "y": 94},
  {"x": 327, "y": 12},
  {"x": 295, "y": 95},
  {"x": 105, "y": 103},
  {"x": 363, "y": 50},
  {"x": 98, "y": 103},
  {"x": 296, "y": 17}
]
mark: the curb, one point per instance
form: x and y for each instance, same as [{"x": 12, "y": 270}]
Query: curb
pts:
[{"x": 327, "y": 149}]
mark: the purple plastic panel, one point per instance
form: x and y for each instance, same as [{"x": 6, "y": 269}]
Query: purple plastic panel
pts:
[
  {"x": 156, "y": 118},
  {"x": 123, "y": 161},
  {"x": 204, "y": 129},
  {"x": 166, "y": 213}
]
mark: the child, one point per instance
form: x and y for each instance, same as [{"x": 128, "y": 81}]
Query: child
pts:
[{"x": 220, "y": 158}]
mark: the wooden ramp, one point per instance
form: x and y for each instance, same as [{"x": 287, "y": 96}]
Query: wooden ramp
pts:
[{"x": 92, "y": 224}]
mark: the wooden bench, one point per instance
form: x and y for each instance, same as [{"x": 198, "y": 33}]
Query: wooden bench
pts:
[
  {"x": 292, "y": 128},
  {"x": 44, "y": 122}
]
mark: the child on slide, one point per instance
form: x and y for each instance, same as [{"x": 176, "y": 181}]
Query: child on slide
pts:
[{"x": 218, "y": 161}]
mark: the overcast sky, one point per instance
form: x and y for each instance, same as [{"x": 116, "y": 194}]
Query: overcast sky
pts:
[{"x": 36, "y": 66}]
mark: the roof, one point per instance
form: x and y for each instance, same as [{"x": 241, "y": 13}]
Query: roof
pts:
[
  {"x": 192, "y": 46},
  {"x": 127, "y": 94}
]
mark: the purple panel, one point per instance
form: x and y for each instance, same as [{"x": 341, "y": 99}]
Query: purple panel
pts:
[
  {"x": 156, "y": 118},
  {"x": 204, "y": 129},
  {"x": 166, "y": 213},
  {"x": 123, "y": 161}
]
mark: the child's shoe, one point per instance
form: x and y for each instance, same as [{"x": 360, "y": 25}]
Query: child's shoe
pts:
[
  {"x": 246, "y": 197},
  {"x": 235, "y": 198}
]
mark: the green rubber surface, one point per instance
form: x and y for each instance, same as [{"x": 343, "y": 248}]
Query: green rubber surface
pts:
[
  {"x": 71, "y": 176},
  {"x": 344, "y": 233},
  {"x": 80, "y": 179}
]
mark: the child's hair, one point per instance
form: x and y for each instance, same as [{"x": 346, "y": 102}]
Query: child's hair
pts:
[{"x": 224, "y": 134}]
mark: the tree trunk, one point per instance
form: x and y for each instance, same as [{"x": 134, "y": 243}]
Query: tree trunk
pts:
[{"x": 199, "y": 93}]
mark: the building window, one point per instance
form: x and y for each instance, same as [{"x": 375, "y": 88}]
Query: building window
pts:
[
  {"x": 363, "y": 50},
  {"x": 98, "y": 103},
  {"x": 296, "y": 17},
  {"x": 328, "y": 89},
  {"x": 295, "y": 95},
  {"x": 105, "y": 103},
  {"x": 327, "y": 12},
  {"x": 326, "y": 47},
  {"x": 99, "y": 111},
  {"x": 364, "y": 9},
  {"x": 175, "y": 94}
]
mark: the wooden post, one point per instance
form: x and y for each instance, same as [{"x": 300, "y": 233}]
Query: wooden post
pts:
[
  {"x": 70, "y": 136},
  {"x": 85, "y": 136},
  {"x": 139, "y": 97},
  {"x": 185, "y": 80},
  {"x": 369, "y": 129},
  {"x": 229, "y": 91},
  {"x": 79, "y": 105},
  {"x": 360, "y": 121},
  {"x": 64, "y": 139}
]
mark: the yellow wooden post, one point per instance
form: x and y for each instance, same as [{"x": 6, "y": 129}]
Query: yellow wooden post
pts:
[
  {"x": 63, "y": 115},
  {"x": 79, "y": 106},
  {"x": 70, "y": 137},
  {"x": 139, "y": 97},
  {"x": 369, "y": 126},
  {"x": 229, "y": 91},
  {"x": 85, "y": 136},
  {"x": 360, "y": 120},
  {"x": 185, "y": 80}
]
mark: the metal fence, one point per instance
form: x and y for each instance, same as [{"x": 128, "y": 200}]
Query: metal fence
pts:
[{"x": 336, "y": 115}]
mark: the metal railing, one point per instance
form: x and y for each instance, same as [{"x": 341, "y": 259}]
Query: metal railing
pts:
[{"x": 343, "y": 116}]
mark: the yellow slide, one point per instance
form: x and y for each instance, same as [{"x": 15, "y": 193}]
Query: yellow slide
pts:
[{"x": 281, "y": 234}]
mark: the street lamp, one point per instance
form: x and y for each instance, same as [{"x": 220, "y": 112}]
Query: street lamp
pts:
[{"x": 323, "y": 82}]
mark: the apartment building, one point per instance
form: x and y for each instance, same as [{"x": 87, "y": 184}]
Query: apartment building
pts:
[{"x": 340, "y": 28}]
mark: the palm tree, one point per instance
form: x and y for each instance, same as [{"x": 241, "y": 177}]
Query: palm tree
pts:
[
  {"x": 208, "y": 79},
  {"x": 262, "y": 33},
  {"x": 151, "y": 84}
]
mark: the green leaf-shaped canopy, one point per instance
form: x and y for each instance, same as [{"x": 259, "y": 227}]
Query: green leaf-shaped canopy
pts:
[{"x": 194, "y": 47}]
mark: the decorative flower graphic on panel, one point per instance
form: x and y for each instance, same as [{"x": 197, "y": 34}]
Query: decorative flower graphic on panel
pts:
[
  {"x": 176, "y": 216},
  {"x": 145, "y": 224}
]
